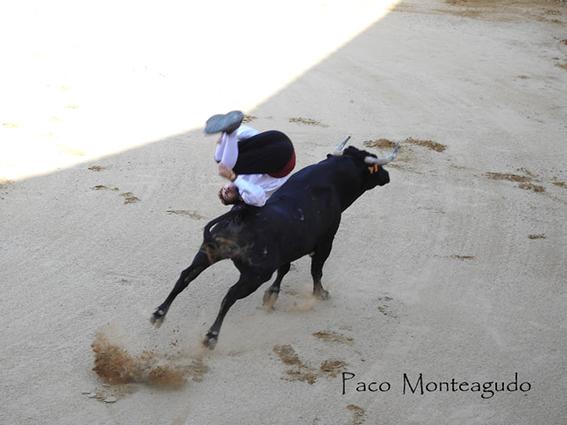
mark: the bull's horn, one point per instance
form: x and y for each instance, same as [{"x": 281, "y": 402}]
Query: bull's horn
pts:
[
  {"x": 341, "y": 147},
  {"x": 385, "y": 160}
]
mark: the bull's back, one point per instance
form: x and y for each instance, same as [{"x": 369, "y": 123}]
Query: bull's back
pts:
[
  {"x": 304, "y": 210},
  {"x": 291, "y": 223}
]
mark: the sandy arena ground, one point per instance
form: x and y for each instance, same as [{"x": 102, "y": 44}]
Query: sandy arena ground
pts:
[{"x": 455, "y": 270}]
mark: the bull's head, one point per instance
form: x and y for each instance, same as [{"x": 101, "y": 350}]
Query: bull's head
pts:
[
  {"x": 370, "y": 159},
  {"x": 371, "y": 166},
  {"x": 374, "y": 173}
]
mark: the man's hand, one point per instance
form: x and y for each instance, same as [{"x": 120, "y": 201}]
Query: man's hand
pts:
[{"x": 226, "y": 172}]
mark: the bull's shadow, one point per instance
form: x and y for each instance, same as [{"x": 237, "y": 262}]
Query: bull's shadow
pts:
[{"x": 300, "y": 218}]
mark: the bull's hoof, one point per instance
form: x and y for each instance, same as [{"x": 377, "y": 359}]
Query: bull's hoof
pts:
[
  {"x": 211, "y": 340},
  {"x": 270, "y": 298},
  {"x": 157, "y": 317},
  {"x": 322, "y": 294}
]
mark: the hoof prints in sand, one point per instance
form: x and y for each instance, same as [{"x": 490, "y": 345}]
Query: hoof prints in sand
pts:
[
  {"x": 358, "y": 414},
  {"x": 385, "y": 307},
  {"x": 299, "y": 371},
  {"x": 189, "y": 213},
  {"x": 129, "y": 197}
]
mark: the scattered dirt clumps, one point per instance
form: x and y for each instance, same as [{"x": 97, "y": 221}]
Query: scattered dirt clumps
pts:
[
  {"x": 507, "y": 176},
  {"x": 507, "y": 10},
  {"x": 331, "y": 336},
  {"x": 332, "y": 367},
  {"x": 299, "y": 371},
  {"x": 379, "y": 144},
  {"x": 382, "y": 143},
  {"x": 97, "y": 168},
  {"x": 532, "y": 187},
  {"x": 129, "y": 198},
  {"x": 103, "y": 187},
  {"x": 463, "y": 257},
  {"x": 537, "y": 236},
  {"x": 406, "y": 159},
  {"x": 116, "y": 366},
  {"x": 189, "y": 213},
  {"x": 287, "y": 354},
  {"x": 306, "y": 121},
  {"x": 302, "y": 374},
  {"x": 429, "y": 144},
  {"x": 525, "y": 181}
]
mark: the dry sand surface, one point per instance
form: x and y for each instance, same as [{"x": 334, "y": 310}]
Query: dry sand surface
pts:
[{"x": 456, "y": 269}]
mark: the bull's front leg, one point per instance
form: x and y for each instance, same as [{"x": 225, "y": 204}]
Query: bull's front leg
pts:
[
  {"x": 200, "y": 263},
  {"x": 271, "y": 294},
  {"x": 246, "y": 285},
  {"x": 318, "y": 258}
]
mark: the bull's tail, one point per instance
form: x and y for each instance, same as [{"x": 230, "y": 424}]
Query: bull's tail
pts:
[
  {"x": 207, "y": 231},
  {"x": 220, "y": 246}
]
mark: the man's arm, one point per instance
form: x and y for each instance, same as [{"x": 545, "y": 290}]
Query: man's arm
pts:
[
  {"x": 251, "y": 193},
  {"x": 229, "y": 144}
]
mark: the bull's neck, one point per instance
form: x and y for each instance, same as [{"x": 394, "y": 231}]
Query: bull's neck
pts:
[{"x": 350, "y": 189}]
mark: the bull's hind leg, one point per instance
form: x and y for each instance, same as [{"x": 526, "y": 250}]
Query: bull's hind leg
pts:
[
  {"x": 271, "y": 294},
  {"x": 200, "y": 263},
  {"x": 246, "y": 285}
]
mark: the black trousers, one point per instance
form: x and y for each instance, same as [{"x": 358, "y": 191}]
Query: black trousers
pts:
[{"x": 265, "y": 153}]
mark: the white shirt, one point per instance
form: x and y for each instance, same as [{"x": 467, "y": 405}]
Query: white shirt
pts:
[
  {"x": 227, "y": 150},
  {"x": 255, "y": 189}
]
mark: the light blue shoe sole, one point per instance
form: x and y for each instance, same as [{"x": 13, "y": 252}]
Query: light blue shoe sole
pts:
[{"x": 224, "y": 122}]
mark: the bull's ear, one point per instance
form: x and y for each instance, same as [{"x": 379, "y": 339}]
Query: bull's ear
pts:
[{"x": 329, "y": 155}]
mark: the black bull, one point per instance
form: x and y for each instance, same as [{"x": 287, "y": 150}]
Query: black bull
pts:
[{"x": 300, "y": 218}]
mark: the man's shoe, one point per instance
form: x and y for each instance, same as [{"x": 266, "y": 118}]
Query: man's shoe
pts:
[{"x": 225, "y": 123}]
